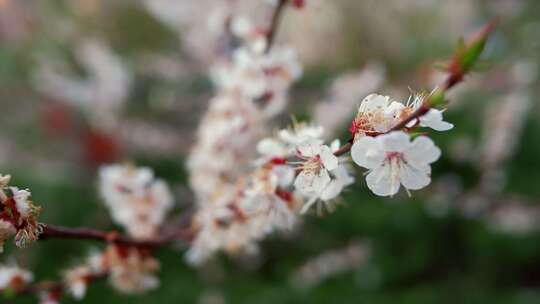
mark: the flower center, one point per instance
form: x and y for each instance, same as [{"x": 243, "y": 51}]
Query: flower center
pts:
[
  {"x": 394, "y": 156},
  {"x": 313, "y": 165}
]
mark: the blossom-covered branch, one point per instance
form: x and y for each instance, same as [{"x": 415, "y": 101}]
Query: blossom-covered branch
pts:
[
  {"x": 247, "y": 182},
  {"x": 462, "y": 62}
]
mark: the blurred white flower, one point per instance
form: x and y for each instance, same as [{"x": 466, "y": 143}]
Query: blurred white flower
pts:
[
  {"x": 252, "y": 35},
  {"x": 265, "y": 196},
  {"x": 300, "y": 133},
  {"x": 262, "y": 77},
  {"x": 14, "y": 278},
  {"x": 49, "y": 297},
  {"x": 18, "y": 215},
  {"x": 101, "y": 95},
  {"x": 339, "y": 179},
  {"x": 271, "y": 148},
  {"x": 131, "y": 270},
  {"x": 21, "y": 200},
  {"x": 393, "y": 160},
  {"x": 76, "y": 280},
  {"x": 136, "y": 199}
]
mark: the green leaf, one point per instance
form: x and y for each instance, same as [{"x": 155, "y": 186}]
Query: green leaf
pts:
[
  {"x": 471, "y": 55},
  {"x": 437, "y": 98}
]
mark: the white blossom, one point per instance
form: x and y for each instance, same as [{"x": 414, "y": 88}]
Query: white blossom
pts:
[
  {"x": 339, "y": 179},
  {"x": 136, "y": 199},
  {"x": 271, "y": 148},
  {"x": 300, "y": 133},
  {"x": 393, "y": 160},
  {"x": 48, "y": 297},
  {"x": 13, "y": 277},
  {"x": 100, "y": 95},
  {"x": 317, "y": 161},
  {"x": 21, "y": 199},
  {"x": 434, "y": 119},
  {"x": 254, "y": 36},
  {"x": 376, "y": 114},
  {"x": 263, "y": 77},
  {"x": 130, "y": 270},
  {"x": 76, "y": 280},
  {"x": 18, "y": 215}
]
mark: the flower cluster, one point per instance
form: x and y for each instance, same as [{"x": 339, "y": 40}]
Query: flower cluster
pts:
[
  {"x": 241, "y": 202},
  {"x": 76, "y": 279},
  {"x": 296, "y": 170},
  {"x": 242, "y": 215},
  {"x": 270, "y": 197},
  {"x": 101, "y": 95},
  {"x": 238, "y": 205},
  {"x": 136, "y": 199},
  {"x": 130, "y": 270},
  {"x": 18, "y": 214}
]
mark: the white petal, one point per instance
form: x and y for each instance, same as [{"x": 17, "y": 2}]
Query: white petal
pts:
[
  {"x": 422, "y": 151},
  {"x": 342, "y": 174},
  {"x": 434, "y": 119},
  {"x": 332, "y": 190},
  {"x": 380, "y": 181},
  {"x": 335, "y": 145},
  {"x": 373, "y": 102},
  {"x": 308, "y": 204},
  {"x": 241, "y": 26},
  {"x": 21, "y": 200},
  {"x": 285, "y": 175},
  {"x": 365, "y": 153},
  {"x": 309, "y": 184},
  {"x": 329, "y": 160},
  {"x": 394, "y": 109},
  {"x": 310, "y": 148},
  {"x": 271, "y": 147},
  {"x": 396, "y": 141},
  {"x": 415, "y": 178},
  {"x": 412, "y": 123},
  {"x": 287, "y": 136}
]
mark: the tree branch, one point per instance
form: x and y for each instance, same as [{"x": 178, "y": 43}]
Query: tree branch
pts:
[
  {"x": 52, "y": 231},
  {"x": 274, "y": 24}
]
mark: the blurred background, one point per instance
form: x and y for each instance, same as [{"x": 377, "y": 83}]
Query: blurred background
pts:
[{"x": 88, "y": 82}]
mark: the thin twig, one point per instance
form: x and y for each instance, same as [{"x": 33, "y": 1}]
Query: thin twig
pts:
[
  {"x": 274, "y": 24},
  {"x": 52, "y": 231}
]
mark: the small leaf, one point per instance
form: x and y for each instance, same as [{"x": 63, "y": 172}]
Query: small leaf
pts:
[
  {"x": 471, "y": 54},
  {"x": 437, "y": 98}
]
